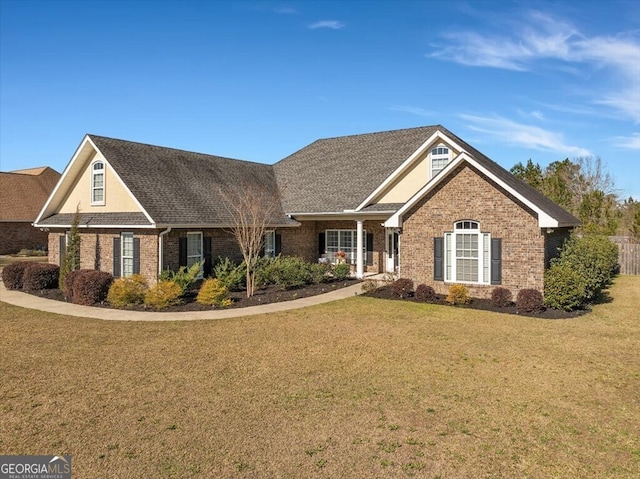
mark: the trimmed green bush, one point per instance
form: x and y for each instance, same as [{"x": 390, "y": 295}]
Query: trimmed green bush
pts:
[
  {"x": 91, "y": 287},
  {"x": 501, "y": 297},
  {"x": 163, "y": 294},
  {"x": 13, "y": 273},
  {"x": 289, "y": 272},
  {"x": 425, "y": 294},
  {"x": 319, "y": 272},
  {"x": 565, "y": 288},
  {"x": 341, "y": 271},
  {"x": 214, "y": 293},
  {"x": 40, "y": 276},
  {"x": 529, "y": 301},
  {"x": 458, "y": 294},
  {"x": 595, "y": 257},
  {"x": 233, "y": 276},
  {"x": 402, "y": 288},
  {"x": 184, "y": 277},
  {"x": 127, "y": 291}
]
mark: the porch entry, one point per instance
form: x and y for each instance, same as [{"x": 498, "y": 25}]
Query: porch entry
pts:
[{"x": 392, "y": 248}]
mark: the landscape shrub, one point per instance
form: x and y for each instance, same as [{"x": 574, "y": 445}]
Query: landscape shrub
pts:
[
  {"x": 319, "y": 272},
  {"x": 68, "y": 281},
  {"x": 233, "y": 276},
  {"x": 127, "y": 291},
  {"x": 40, "y": 276},
  {"x": 425, "y": 294},
  {"x": 369, "y": 285},
  {"x": 341, "y": 271},
  {"x": 529, "y": 301},
  {"x": 184, "y": 277},
  {"x": 289, "y": 272},
  {"x": 13, "y": 273},
  {"x": 90, "y": 286},
  {"x": 565, "y": 288},
  {"x": 163, "y": 294},
  {"x": 402, "y": 288},
  {"x": 214, "y": 293},
  {"x": 458, "y": 294},
  {"x": 593, "y": 256},
  {"x": 501, "y": 297}
]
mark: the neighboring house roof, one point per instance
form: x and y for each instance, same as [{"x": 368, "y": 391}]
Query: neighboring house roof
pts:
[
  {"x": 337, "y": 174},
  {"x": 23, "y": 192}
]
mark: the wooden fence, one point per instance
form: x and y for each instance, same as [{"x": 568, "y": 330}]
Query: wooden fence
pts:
[{"x": 628, "y": 254}]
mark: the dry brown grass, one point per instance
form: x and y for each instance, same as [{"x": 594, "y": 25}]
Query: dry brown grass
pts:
[{"x": 361, "y": 388}]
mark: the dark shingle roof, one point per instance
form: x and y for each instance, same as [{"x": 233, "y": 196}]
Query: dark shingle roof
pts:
[
  {"x": 23, "y": 192},
  {"x": 98, "y": 219},
  {"x": 337, "y": 174},
  {"x": 182, "y": 187}
]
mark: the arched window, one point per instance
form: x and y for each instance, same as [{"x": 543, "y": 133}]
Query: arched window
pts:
[
  {"x": 440, "y": 157},
  {"x": 467, "y": 253},
  {"x": 97, "y": 183}
]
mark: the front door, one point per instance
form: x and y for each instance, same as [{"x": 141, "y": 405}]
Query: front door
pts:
[{"x": 393, "y": 250}]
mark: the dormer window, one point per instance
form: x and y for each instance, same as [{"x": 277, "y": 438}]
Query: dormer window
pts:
[
  {"x": 440, "y": 157},
  {"x": 97, "y": 183}
]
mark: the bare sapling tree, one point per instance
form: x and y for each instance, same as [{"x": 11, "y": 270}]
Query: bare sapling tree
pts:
[{"x": 251, "y": 208}]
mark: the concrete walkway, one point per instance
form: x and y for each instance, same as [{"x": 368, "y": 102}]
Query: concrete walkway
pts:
[{"x": 34, "y": 302}]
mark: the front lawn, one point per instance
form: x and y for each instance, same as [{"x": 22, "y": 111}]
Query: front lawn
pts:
[{"x": 360, "y": 388}]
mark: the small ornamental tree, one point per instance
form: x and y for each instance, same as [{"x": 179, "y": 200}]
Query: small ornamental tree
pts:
[
  {"x": 251, "y": 208},
  {"x": 71, "y": 259}
]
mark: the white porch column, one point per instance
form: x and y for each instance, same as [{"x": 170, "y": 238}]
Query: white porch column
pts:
[{"x": 359, "y": 248}]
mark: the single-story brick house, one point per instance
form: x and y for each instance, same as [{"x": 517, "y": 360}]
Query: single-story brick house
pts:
[
  {"x": 420, "y": 202},
  {"x": 22, "y": 195}
]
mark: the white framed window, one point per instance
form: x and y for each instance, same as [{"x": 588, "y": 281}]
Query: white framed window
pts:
[
  {"x": 270, "y": 244},
  {"x": 440, "y": 157},
  {"x": 194, "y": 248},
  {"x": 126, "y": 254},
  {"x": 97, "y": 183},
  {"x": 467, "y": 254},
  {"x": 346, "y": 241}
]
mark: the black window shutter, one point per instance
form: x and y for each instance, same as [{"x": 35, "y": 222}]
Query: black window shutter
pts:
[
  {"x": 63, "y": 248},
  {"x": 321, "y": 244},
  {"x": 136, "y": 255},
  {"x": 278, "y": 244},
  {"x": 182, "y": 251},
  {"x": 369, "y": 249},
  {"x": 438, "y": 259},
  {"x": 496, "y": 261},
  {"x": 116, "y": 257},
  {"x": 206, "y": 244}
]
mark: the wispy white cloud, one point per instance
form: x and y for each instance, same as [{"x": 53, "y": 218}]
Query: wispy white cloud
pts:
[
  {"x": 628, "y": 142},
  {"x": 331, "y": 24},
  {"x": 286, "y": 11},
  {"x": 543, "y": 37},
  {"x": 414, "y": 110},
  {"x": 517, "y": 134}
]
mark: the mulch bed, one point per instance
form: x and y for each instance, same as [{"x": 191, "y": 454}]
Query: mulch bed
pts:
[
  {"x": 272, "y": 294},
  {"x": 385, "y": 292}
]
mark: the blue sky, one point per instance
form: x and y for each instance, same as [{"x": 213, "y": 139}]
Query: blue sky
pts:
[{"x": 257, "y": 80}]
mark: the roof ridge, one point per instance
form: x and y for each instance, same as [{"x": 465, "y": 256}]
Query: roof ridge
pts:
[
  {"x": 374, "y": 133},
  {"x": 92, "y": 136}
]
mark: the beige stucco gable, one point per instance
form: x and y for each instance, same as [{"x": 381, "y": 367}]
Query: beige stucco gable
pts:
[
  {"x": 409, "y": 181},
  {"x": 117, "y": 199},
  {"x": 414, "y": 173}
]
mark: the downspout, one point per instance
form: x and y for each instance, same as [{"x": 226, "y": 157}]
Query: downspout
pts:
[{"x": 161, "y": 249}]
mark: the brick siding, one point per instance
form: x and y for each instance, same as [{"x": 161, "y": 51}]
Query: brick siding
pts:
[{"x": 468, "y": 195}]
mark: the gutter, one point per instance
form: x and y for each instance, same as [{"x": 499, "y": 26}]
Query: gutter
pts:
[{"x": 161, "y": 249}]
